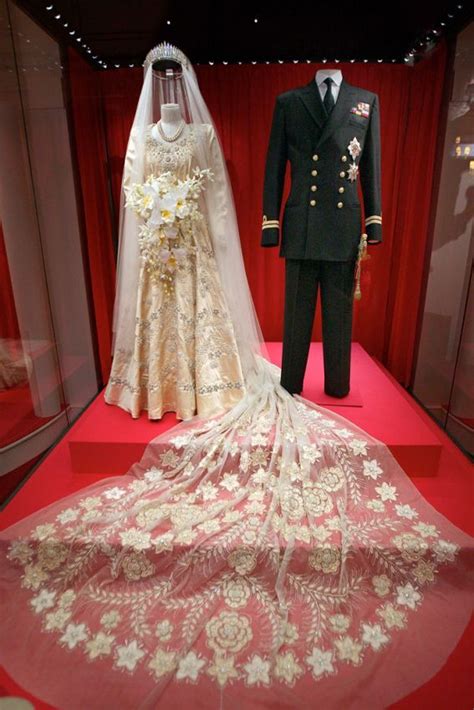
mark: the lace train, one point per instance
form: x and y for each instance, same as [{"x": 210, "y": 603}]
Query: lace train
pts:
[{"x": 271, "y": 556}]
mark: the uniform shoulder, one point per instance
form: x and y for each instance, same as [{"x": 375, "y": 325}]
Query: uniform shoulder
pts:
[
  {"x": 290, "y": 94},
  {"x": 364, "y": 94}
]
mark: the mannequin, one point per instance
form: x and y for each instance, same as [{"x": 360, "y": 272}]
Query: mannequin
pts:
[
  {"x": 171, "y": 121},
  {"x": 322, "y": 233},
  {"x": 335, "y": 75}
]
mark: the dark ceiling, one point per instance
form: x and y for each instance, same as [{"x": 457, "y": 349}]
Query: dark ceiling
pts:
[{"x": 122, "y": 32}]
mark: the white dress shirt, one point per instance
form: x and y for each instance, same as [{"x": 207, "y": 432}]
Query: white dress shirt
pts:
[{"x": 336, "y": 76}]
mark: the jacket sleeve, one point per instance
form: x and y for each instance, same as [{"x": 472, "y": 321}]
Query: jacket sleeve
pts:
[
  {"x": 274, "y": 178},
  {"x": 370, "y": 178}
]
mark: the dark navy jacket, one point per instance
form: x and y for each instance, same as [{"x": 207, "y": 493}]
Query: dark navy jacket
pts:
[{"x": 328, "y": 156}]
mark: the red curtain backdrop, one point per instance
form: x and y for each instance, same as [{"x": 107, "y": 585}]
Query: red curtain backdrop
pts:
[
  {"x": 241, "y": 100},
  {"x": 94, "y": 178}
]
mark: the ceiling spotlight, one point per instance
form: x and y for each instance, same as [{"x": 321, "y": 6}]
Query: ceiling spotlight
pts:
[
  {"x": 72, "y": 32},
  {"x": 324, "y": 61},
  {"x": 253, "y": 63},
  {"x": 49, "y": 7},
  {"x": 280, "y": 61},
  {"x": 255, "y": 19},
  {"x": 56, "y": 17},
  {"x": 168, "y": 22},
  {"x": 211, "y": 64},
  {"x": 131, "y": 65},
  {"x": 352, "y": 61},
  {"x": 116, "y": 66},
  {"x": 225, "y": 63}
]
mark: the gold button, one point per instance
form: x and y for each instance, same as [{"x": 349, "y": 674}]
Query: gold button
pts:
[
  {"x": 342, "y": 173},
  {"x": 312, "y": 203},
  {"x": 344, "y": 158},
  {"x": 341, "y": 189},
  {"x": 314, "y": 173},
  {"x": 340, "y": 204},
  {"x": 313, "y": 188},
  {"x": 315, "y": 157}
]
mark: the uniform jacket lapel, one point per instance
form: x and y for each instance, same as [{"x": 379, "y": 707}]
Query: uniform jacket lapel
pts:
[{"x": 313, "y": 102}]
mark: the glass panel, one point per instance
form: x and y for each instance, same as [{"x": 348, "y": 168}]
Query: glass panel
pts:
[
  {"x": 443, "y": 339},
  {"x": 47, "y": 359}
]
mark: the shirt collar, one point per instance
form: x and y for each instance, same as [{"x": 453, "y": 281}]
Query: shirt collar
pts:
[{"x": 337, "y": 77}]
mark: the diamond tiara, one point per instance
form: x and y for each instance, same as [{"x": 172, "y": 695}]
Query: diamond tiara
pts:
[{"x": 165, "y": 51}]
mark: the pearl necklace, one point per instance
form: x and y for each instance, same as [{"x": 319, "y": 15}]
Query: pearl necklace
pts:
[{"x": 175, "y": 135}]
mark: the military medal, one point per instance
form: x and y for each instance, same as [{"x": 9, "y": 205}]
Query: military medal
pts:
[
  {"x": 353, "y": 172},
  {"x": 354, "y": 148},
  {"x": 362, "y": 109}
]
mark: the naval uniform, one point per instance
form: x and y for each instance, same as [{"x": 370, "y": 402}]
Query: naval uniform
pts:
[{"x": 321, "y": 227}]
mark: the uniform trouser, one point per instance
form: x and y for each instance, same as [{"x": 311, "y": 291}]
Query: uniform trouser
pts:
[{"x": 336, "y": 282}]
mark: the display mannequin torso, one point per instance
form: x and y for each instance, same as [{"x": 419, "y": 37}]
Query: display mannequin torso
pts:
[{"x": 335, "y": 75}]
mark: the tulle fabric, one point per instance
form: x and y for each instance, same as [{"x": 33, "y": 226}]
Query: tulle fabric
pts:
[{"x": 275, "y": 556}]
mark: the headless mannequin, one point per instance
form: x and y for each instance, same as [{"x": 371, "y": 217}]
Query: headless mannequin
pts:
[
  {"x": 334, "y": 74},
  {"x": 171, "y": 119}
]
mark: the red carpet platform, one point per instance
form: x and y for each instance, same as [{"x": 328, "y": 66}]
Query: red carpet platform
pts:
[
  {"x": 450, "y": 492},
  {"x": 107, "y": 440}
]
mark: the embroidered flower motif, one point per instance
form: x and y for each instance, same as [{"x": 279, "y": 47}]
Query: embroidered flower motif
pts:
[
  {"x": 386, "y": 491},
  {"x": 21, "y": 551},
  {"x": 110, "y": 619},
  {"x": 376, "y": 504},
  {"x": 292, "y": 503},
  {"x": 372, "y": 469},
  {"x": 230, "y": 481},
  {"x": 325, "y": 559},
  {"x": 68, "y": 516},
  {"x": 406, "y": 511},
  {"x": 358, "y": 447},
  {"x": 331, "y": 479},
  {"x": 57, "y": 620},
  {"x": 42, "y": 532},
  {"x": 349, "y": 650},
  {"x": 115, "y": 493},
  {"x": 163, "y": 662},
  {"x": 164, "y": 629},
  {"x": 392, "y": 618},
  {"x": 190, "y": 667},
  {"x": 411, "y": 546},
  {"x": 339, "y": 623},
  {"x": 258, "y": 671},
  {"x": 317, "y": 501},
  {"x": 408, "y": 596},
  {"x": 51, "y": 555},
  {"x": 136, "y": 539},
  {"x": 99, "y": 645},
  {"x": 34, "y": 577},
  {"x": 426, "y": 530},
  {"x": 74, "y": 634},
  {"x": 153, "y": 475},
  {"x": 128, "y": 655},
  {"x": 382, "y": 585},
  {"x": 372, "y": 635},
  {"x": 291, "y": 633},
  {"x": 44, "y": 600},
  {"x": 222, "y": 669},
  {"x": 445, "y": 551},
  {"x": 320, "y": 662},
  {"x": 137, "y": 566},
  {"x": 425, "y": 571},
  {"x": 228, "y": 631},
  {"x": 287, "y": 668}
]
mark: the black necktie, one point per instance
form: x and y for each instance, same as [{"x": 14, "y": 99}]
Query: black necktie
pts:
[{"x": 328, "y": 97}]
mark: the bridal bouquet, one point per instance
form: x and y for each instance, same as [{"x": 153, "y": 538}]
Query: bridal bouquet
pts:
[{"x": 169, "y": 207}]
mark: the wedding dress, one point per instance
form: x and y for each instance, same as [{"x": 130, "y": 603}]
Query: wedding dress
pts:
[
  {"x": 271, "y": 556},
  {"x": 184, "y": 357}
]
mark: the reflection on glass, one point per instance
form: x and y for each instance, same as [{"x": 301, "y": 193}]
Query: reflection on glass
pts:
[
  {"x": 443, "y": 381},
  {"x": 47, "y": 365}
]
